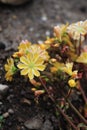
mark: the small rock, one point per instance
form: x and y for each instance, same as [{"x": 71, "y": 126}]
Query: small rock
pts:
[
  {"x": 44, "y": 18},
  {"x": 10, "y": 97},
  {"x": 47, "y": 33},
  {"x": 34, "y": 123},
  {"x": 25, "y": 101},
  {"x": 11, "y": 90},
  {"x": 6, "y": 114},
  {"x": 40, "y": 41},
  {"x": 3, "y": 88},
  {"x": 23, "y": 128},
  {"x": 14, "y": 17},
  {"x": 10, "y": 111},
  {"x": 31, "y": 29},
  {"x": 47, "y": 125},
  {"x": 23, "y": 93},
  {"x": 2, "y": 45},
  {"x": 37, "y": 35},
  {"x": 1, "y": 103},
  {"x": 10, "y": 124}
]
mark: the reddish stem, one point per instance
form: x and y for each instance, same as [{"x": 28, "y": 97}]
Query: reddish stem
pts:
[
  {"x": 75, "y": 110},
  {"x": 82, "y": 92},
  {"x": 57, "y": 106},
  {"x": 69, "y": 92}
]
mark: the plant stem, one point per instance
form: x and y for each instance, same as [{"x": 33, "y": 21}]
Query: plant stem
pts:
[
  {"x": 77, "y": 112},
  {"x": 69, "y": 92},
  {"x": 57, "y": 106},
  {"x": 82, "y": 92},
  {"x": 79, "y": 48},
  {"x": 66, "y": 117}
]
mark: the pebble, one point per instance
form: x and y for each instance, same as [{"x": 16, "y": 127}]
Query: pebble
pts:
[
  {"x": 25, "y": 101},
  {"x": 3, "y": 88},
  {"x": 9, "y": 98},
  {"x": 11, "y": 90},
  {"x": 44, "y": 18},
  {"x": 34, "y": 123},
  {"x": 23, "y": 93},
  {"x": 23, "y": 128},
  {"x": 1, "y": 103},
  {"x": 40, "y": 41},
  {"x": 10, "y": 124},
  {"x": 47, "y": 33},
  {"x": 31, "y": 29},
  {"x": 2, "y": 45},
  {"x": 6, "y": 114},
  {"x": 10, "y": 111},
  {"x": 47, "y": 125},
  {"x": 14, "y": 17},
  {"x": 37, "y": 35}
]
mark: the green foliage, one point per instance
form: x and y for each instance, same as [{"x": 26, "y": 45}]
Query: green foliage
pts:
[{"x": 1, "y": 121}]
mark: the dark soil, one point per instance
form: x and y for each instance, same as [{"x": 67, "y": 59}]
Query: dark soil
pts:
[{"x": 33, "y": 21}]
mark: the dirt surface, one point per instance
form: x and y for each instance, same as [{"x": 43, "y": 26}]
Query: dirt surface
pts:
[{"x": 33, "y": 21}]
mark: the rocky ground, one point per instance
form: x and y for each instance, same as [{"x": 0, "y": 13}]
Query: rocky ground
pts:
[{"x": 33, "y": 21}]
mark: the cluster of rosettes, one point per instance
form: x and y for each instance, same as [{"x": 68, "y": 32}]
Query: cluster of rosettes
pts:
[{"x": 64, "y": 52}]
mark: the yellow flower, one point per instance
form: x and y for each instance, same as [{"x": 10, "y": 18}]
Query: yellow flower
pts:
[
  {"x": 49, "y": 42},
  {"x": 60, "y": 31},
  {"x": 68, "y": 69},
  {"x": 23, "y": 49},
  {"x": 72, "y": 83},
  {"x": 31, "y": 64},
  {"x": 82, "y": 58},
  {"x": 77, "y": 30},
  {"x": 74, "y": 73},
  {"x": 53, "y": 69},
  {"x": 53, "y": 60},
  {"x": 24, "y": 46},
  {"x": 18, "y": 54},
  {"x": 43, "y": 46},
  {"x": 41, "y": 52},
  {"x": 10, "y": 68},
  {"x": 56, "y": 66}
]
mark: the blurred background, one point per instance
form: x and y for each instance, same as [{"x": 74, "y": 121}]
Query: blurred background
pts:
[{"x": 35, "y": 19}]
